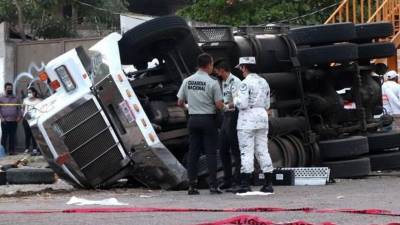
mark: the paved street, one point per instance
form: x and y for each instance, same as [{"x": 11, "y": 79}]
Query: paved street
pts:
[{"x": 381, "y": 192}]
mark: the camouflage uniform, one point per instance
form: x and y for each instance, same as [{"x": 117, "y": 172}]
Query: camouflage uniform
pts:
[{"x": 253, "y": 101}]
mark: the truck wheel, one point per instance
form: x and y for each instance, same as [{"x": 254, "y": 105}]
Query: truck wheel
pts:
[
  {"x": 343, "y": 148},
  {"x": 301, "y": 153},
  {"x": 158, "y": 112},
  {"x": 349, "y": 168},
  {"x": 276, "y": 154},
  {"x": 3, "y": 178},
  {"x": 190, "y": 50},
  {"x": 385, "y": 161},
  {"x": 380, "y": 141},
  {"x": 138, "y": 41},
  {"x": 376, "y": 50},
  {"x": 30, "y": 176},
  {"x": 323, "y": 34},
  {"x": 367, "y": 31},
  {"x": 292, "y": 151},
  {"x": 287, "y": 158},
  {"x": 327, "y": 54},
  {"x": 8, "y": 166}
]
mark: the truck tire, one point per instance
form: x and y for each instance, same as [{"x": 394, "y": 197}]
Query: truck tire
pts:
[
  {"x": 287, "y": 158},
  {"x": 292, "y": 151},
  {"x": 301, "y": 153},
  {"x": 276, "y": 154},
  {"x": 328, "y": 54},
  {"x": 158, "y": 112},
  {"x": 385, "y": 161},
  {"x": 378, "y": 142},
  {"x": 137, "y": 42},
  {"x": 8, "y": 166},
  {"x": 30, "y": 176},
  {"x": 343, "y": 148},
  {"x": 368, "y": 31},
  {"x": 3, "y": 177},
  {"x": 376, "y": 50},
  {"x": 323, "y": 34},
  {"x": 349, "y": 168}
]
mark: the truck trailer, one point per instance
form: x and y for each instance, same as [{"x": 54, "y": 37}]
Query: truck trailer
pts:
[{"x": 105, "y": 121}]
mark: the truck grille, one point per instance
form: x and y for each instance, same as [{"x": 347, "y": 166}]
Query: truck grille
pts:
[{"x": 90, "y": 142}]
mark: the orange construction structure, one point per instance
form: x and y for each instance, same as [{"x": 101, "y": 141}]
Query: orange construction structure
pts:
[{"x": 370, "y": 11}]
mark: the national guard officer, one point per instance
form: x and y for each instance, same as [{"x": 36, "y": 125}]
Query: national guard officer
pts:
[
  {"x": 203, "y": 96},
  {"x": 253, "y": 101},
  {"x": 229, "y": 140}
]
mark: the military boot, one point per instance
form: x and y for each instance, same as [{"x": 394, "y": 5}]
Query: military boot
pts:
[
  {"x": 215, "y": 190},
  {"x": 267, "y": 187},
  {"x": 193, "y": 188},
  {"x": 244, "y": 183}
]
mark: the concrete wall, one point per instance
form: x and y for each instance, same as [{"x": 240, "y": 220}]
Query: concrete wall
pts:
[
  {"x": 44, "y": 51},
  {"x": 17, "y": 56}
]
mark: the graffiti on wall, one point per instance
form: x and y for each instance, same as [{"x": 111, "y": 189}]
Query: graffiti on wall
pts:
[{"x": 30, "y": 77}]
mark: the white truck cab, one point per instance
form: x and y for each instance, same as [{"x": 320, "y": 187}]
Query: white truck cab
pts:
[{"x": 93, "y": 130}]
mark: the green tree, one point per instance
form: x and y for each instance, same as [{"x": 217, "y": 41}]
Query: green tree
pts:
[
  {"x": 254, "y": 12},
  {"x": 58, "y": 18}
]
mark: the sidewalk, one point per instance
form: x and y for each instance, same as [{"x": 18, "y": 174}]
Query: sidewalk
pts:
[{"x": 59, "y": 186}]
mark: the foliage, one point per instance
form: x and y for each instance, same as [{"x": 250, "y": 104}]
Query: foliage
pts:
[
  {"x": 109, "y": 18},
  {"x": 58, "y": 18},
  {"x": 254, "y": 12},
  {"x": 52, "y": 27}
]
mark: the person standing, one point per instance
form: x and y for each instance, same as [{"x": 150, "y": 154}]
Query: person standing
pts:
[
  {"x": 203, "y": 96},
  {"x": 391, "y": 97},
  {"x": 229, "y": 139},
  {"x": 10, "y": 114},
  {"x": 28, "y": 107},
  {"x": 253, "y": 101}
]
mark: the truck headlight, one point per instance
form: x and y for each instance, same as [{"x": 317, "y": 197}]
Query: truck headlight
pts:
[{"x": 65, "y": 78}]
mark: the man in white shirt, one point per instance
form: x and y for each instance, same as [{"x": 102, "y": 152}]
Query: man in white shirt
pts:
[{"x": 391, "y": 96}]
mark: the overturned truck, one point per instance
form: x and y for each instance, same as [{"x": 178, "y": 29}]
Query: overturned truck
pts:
[{"x": 104, "y": 122}]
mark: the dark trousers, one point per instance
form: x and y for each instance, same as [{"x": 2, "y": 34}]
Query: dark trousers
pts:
[
  {"x": 28, "y": 136},
  {"x": 203, "y": 137},
  {"x": 8, "y": 129},
  {"x": 230, "y": 147}
]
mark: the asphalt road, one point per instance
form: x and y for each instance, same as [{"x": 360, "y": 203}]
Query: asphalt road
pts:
[{"x": 379, "y": 192}]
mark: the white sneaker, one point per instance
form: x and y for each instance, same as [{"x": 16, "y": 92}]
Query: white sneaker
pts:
[{"x": 26, "y": 151}]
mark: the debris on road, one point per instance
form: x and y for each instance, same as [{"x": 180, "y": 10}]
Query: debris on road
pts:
[{"x": 81, "y": 201}]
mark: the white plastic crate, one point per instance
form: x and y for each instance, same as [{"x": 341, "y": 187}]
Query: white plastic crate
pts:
[{"x": 310, "y": 175}]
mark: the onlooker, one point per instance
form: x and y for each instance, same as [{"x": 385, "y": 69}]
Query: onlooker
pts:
[
  {"x": 391, "y": 97},
  {"x": 28, "y": 107},
  {"x": 10, "y": 114}
]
